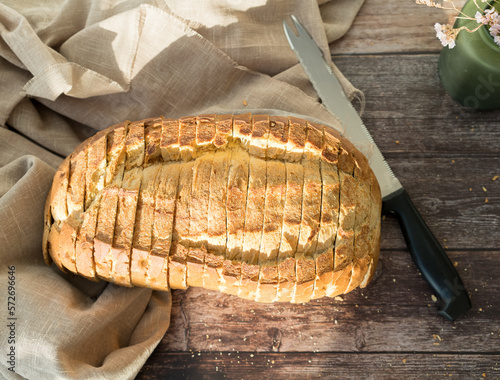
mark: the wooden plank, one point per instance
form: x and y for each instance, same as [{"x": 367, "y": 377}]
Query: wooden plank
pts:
[
  {"x": 309, "y": 365},
  {"x": 408, "y": 111},
  {"x": 394, "y": 26},
  {"x": 395, "y": 312},
  {"x": 448, "y": 192}
]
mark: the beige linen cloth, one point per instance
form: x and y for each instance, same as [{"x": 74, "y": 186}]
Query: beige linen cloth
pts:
[{"x": 70, "y": 68}]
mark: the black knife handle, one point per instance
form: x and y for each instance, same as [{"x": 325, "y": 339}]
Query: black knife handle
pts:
[{"x": 430, "y": 257}]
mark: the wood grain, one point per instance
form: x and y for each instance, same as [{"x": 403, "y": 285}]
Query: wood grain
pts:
[
  {"x": 309, "y": 365},
  {"x": 365, "y": 320},
  {"x": 394, "y": 26}
]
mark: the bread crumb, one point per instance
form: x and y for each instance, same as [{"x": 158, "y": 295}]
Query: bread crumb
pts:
[
  {"x": 486, "y": 200},
  {"x": 404, "y": 361},
  {"x": 455, "y": 263},
  {"x": 251, "y": 355},
  {"x": 484, "y": 375},
  {"x": 494, "y": 178},
  {"x": 208, "y": 336},
  {"x": 484, "y": 189},
  {"x": 397, "y": 141},
  {"x": 434, "y": 298},
  {"x": 272, "y": 361},
  {"x": 338, "y": 298},
  {"x": 245, "y": 103},
  {"x": 452, "y": 161}
]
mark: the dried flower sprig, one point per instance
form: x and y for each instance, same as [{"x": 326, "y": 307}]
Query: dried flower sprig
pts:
[{"x": 447, "y": 34}]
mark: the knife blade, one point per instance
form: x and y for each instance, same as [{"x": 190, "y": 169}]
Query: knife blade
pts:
[{"x": 427, "y": 253}]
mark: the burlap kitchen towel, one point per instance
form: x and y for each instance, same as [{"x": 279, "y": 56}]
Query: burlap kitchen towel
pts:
[{"x": 69, "y": 68}]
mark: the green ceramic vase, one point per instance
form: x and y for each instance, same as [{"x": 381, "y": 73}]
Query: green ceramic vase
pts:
[{"x": 470, "y": 72}]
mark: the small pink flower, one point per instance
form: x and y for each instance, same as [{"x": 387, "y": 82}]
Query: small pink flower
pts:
[
  {"x": 490, "y": 15},
  {"x": 495, "y": 29},
  {"x": 480, "y": 18},
  {"x": 446, "y": 34}
]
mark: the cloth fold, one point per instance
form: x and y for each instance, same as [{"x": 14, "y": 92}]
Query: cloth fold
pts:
[{"x": 69, "y": 68}]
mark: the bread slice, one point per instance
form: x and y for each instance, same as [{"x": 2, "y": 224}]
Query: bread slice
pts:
[
  {"x": 177, "y": 265},
  {"x": 54, "y": 247},
  {"x": 200, "y": 197},
  {"x": 361, "y": 225},
  {"x": 198, "y": 224},
  {"x": 272, "y": 228},
  {"x": 311, "y": 215},
  {"x": 278, "y": 137},
  {"x": 237, "y": 191},
  {"x": 75, "y": 206},
  {"x": 254, "y": 219},
  {"x": 96, "y": 167},
  {"x": 128, "y": 196},
  {"x": 217, "y": 219},
  {"x": 141, "y": 244},
  {"x": 205, "y": 133},
  {"x": 236, "y": 201},
  {"x": 59, "y": 203},
  {"x": 187, "y": 137},
  {"x": 254, "y": 214},
  {"x": 115, "y": 158},
  {"x": 287, "y": 275},
  {"x": 292, "y": 217},
  {"x": 223, "y": 130},
  {"x": 152, "y": 134},
  {"x": 260, "y": 135},
  {"x": 344, "y": 241},
  {"x": 135, "y": 145},
  {"x": 242, "y": 130},
  {"x": 169, "y": 144},
  {"x": 296, "y": 139},
  {"x": 213, "y": 278},
  {"x": 166, "y": 193},
  {"x": 94, "y": 183},
  {"x": 105, "y": 231},
  {"x": 330, "y": 204},
  {"x": 76, "y": 183},
  {"x": 324, "y": 263},
  {"x": 84, "y": 249},
  {"x": 311, "y": 208},
  {"x": 196, "y": 266},
  {"x": 177, "y": 273},
  {"x": 305, "y": 274}
]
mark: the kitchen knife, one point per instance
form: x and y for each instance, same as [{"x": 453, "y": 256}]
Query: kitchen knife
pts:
[{"x": 424, "y": 248}]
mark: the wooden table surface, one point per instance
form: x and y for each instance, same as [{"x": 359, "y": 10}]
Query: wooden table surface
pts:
[{"x": 447, "y": 157}]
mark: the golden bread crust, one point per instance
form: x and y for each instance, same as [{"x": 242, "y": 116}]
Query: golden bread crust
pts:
[{"x": 267, "y": 208}]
